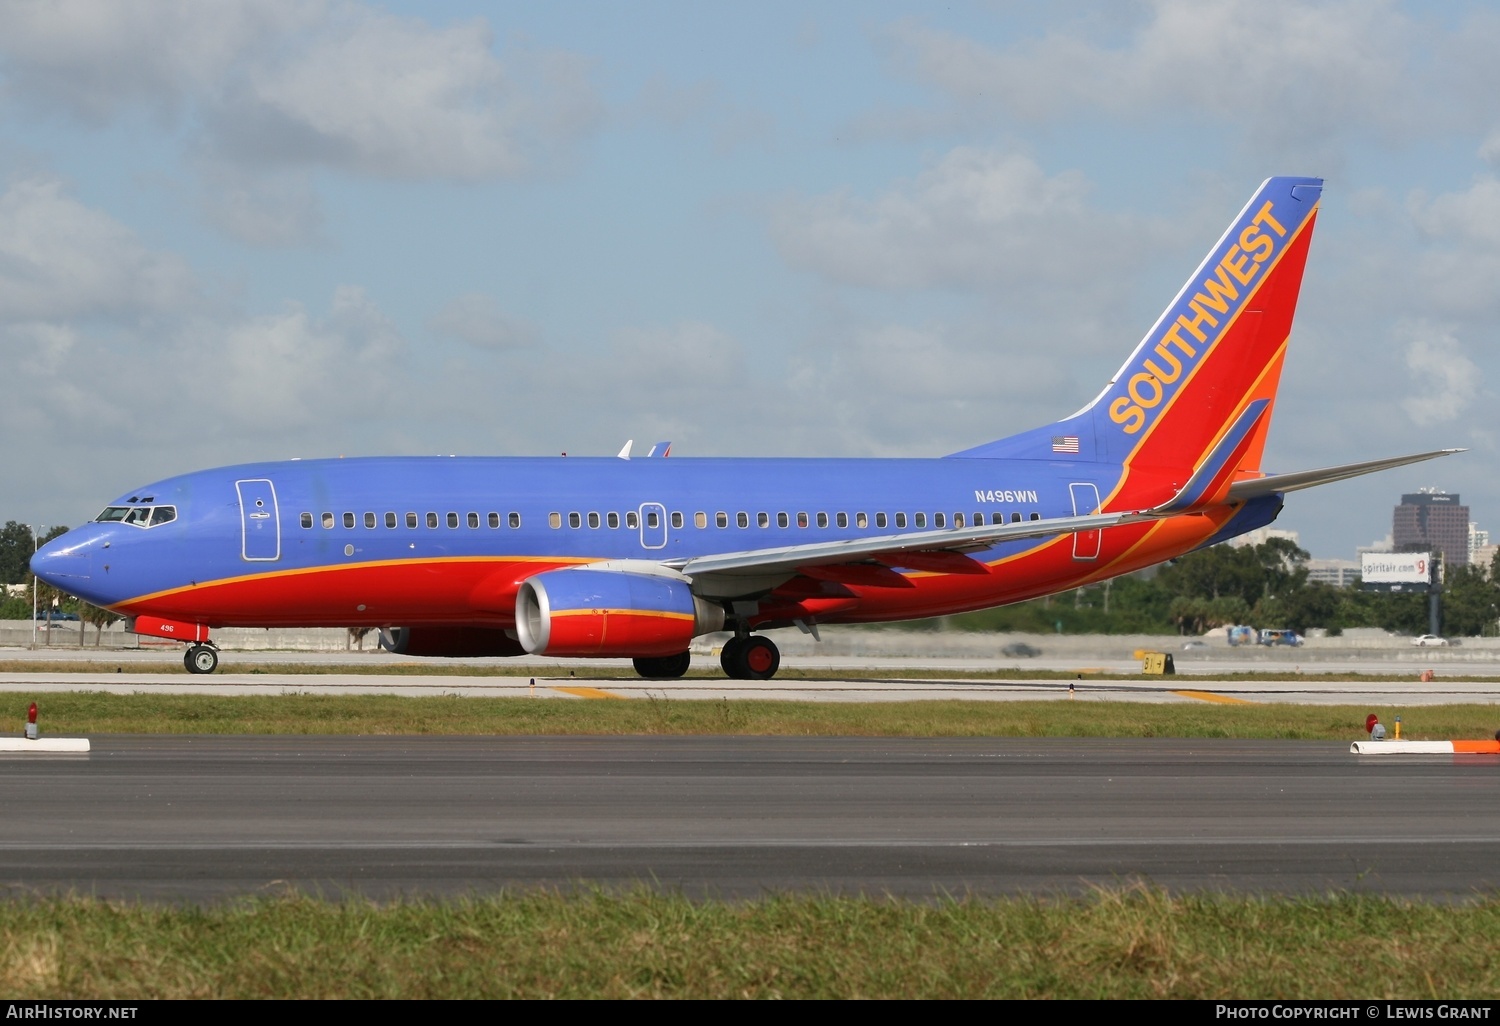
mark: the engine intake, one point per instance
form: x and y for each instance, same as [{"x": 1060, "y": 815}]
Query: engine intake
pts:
[{"x": 610, "y": 613}]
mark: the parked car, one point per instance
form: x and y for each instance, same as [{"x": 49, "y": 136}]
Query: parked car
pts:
[
  {"x": 1019, "y": 649},
  {"x": 55, "y": 614},
  {"x": 1274, "y": 636},
  {"x": 1188, "y": 646},
  {"x": 1428, "y": 640}
]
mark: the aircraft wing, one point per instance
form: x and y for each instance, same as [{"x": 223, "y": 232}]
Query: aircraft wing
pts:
[
  {"x": 1258, "y": 486},
  {"x": 786, "y": 560}
]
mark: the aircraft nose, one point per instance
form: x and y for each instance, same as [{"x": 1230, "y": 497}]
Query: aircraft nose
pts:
[{"x": 64, "y": 561}]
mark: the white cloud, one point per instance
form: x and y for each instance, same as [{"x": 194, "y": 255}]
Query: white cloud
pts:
[
  {"x": 476, "y": 318},
  {"x": 1283, "y": 72},
  {"x": 269, "y": 208},
  {"x": 95, "y": 58},
  {"x": 397, "y": 98},
  {"x": 61, "y": 259},
  {"x": 977, "y": 218},
  {"x": 270, "y": 91},
  {"x": 1449, "y": 381}
]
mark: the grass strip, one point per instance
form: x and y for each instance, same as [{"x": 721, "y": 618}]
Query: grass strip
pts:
[
  {"x": 1125, "y": 943},
  {"x": 87, "y": 713}
]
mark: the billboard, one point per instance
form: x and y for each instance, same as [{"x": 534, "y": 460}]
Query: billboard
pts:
[{"x": 1396, "y": 571}]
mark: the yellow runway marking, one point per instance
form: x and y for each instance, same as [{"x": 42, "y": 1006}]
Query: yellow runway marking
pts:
[
  {"x": 587, "y": 692},
  {"x": 1209, "y": 696}
]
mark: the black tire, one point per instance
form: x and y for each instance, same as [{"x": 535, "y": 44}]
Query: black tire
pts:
[
  {"x": 729, "y": 657},
  {"x": 663, "y": 667},
  {"x": 201, "y": 659}
]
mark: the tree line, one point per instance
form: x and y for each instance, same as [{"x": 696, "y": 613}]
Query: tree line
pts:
[{"x": 1261, "y": 585}]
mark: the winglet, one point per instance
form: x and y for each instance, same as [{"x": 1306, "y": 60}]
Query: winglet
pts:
[{"x": 624, "y": 452}]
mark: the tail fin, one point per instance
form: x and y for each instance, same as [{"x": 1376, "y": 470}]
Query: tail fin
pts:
[{"x": 1215, "y": 351}]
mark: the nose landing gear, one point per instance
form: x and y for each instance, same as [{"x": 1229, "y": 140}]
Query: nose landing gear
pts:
[{"x": 201, "y": 659}]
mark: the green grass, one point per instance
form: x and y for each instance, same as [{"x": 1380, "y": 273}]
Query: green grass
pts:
[
  {"x": 1128, "y": 943},
  {"x": 87, "y": 713}
]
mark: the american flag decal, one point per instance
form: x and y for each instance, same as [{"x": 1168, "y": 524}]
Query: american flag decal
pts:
[{"x": 1064, "y": 443}]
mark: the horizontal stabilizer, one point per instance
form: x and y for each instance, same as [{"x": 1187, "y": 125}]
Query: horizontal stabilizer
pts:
[{"x": 1272, "y": 483}]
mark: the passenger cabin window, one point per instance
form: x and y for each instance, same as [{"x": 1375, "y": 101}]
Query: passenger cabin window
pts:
[
  {"x": 632, "y": 519},
  {"x": 493, "y": 520},
  {"x": 328, "y": 521},
  {"x": 1015, "y": 518},
  {"x": 997, "y": 518},
  {"x": 782, "y": 520},
  {"x": 613, "y": 520},
  {"x": 432, "y": 520},
  {"x": 676, "y": 518},
  {"x": 473, "y": 521},
  {"x": 305, "y": 520},
  {"x": 348, "y": 519},
  {"x": 822, "y": 519},
  {"x": 880, "y": 520},
  {"x": 1036, "y": 516},
  {"x": 801, "y": 519},
  {"x": 574, "y": 520},
  {"x": 370, "y": 520},
  {"x": 742, "y": 519},
  {"x": 515, "y": 520},
  {"x": 958, "y": 520},
  {"x": 554, "y": 520},
  {"x": 653, "y": 519},
  {"x": 900, "y": 520},
  {"x": 411, "y": 520},
  {"x": 842, "y": 519},
  {"x": 390, "y": 520},
  {"x": 452, "y": 519},
  {"x": 700, "y": 519},
  {"x": 721, "y": 519},
  {"x": 919, "y": 519},
  {"x": 938, "y": 520},
  {"x": 762, "y": 520},
  {"x": 861, "y": 521},
  {"x": 594, "y": 520}
]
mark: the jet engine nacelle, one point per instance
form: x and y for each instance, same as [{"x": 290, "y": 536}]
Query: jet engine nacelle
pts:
[
  {"x": 450, "y": 642},
  {"x": 582, "y": 612}
]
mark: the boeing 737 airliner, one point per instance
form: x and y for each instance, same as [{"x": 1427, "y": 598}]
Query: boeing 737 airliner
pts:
[{"x": 634, "y": 558}]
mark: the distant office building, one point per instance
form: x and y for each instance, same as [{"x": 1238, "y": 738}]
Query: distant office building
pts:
[
  {"x": 1341, "y": 573},
  {"x": 1431, "y": 520},
  {"x": 1484, "y": 556},
  {"x": 1478, "y": 539}
]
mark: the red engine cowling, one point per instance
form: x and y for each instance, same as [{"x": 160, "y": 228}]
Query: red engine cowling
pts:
[
  {"x": 451, "y": 642},
  {"x": 586, "y": 612}
]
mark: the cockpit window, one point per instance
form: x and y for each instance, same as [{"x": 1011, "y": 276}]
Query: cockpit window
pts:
[{"x": 138, "y": 516}]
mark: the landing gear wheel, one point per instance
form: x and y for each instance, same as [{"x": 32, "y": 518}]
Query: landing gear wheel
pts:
[
  {"x": 761, "y": 658},
  {"x": 201, "y": 659},
  {"x": 663, "y": 667},
  {"x": 753, "y": 658}
]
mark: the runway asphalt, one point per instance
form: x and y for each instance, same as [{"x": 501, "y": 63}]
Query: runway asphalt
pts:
[{"x": 185, "y": 818}]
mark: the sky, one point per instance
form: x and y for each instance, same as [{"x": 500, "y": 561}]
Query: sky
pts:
[{"x": 239, "y": 231}]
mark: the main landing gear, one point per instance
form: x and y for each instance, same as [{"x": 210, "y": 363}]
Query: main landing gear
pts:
[
  {"x": 663, "y": 667},
  {"x": 201, "y": 659},
  {"x": 750, "y": 658}
]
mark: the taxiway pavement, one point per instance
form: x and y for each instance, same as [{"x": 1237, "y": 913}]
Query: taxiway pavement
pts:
[{"x": 189, "y": 818}]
